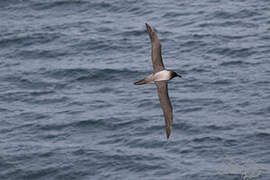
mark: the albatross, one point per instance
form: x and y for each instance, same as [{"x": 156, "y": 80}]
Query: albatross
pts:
[{"x": 160, "y": 77}]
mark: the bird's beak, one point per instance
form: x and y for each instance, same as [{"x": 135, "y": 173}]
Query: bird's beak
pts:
[{"x": 179, "y": 75}]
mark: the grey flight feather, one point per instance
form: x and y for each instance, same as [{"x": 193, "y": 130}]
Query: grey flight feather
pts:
[
  {"x": 156, "y": 50},
  {"x": 162, "y": 87}
]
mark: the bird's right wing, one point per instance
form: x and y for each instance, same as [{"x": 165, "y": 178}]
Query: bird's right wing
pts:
[
  {"x": 156, "y": 50},
  {"x": 165, "y": 103}
]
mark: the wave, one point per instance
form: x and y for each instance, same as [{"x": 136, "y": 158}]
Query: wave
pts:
[
  {"x": 232, "y": 52},
  {"x": 49, "y": 4},
  {"x": 241, "y": 14},
  {"x": 44, "y": 81},
  {"x": 238, "y": 63},
  {"x": 84, "y": 74}
]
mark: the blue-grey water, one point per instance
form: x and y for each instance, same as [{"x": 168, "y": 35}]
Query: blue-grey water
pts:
[{"x": 69, "y": 109}]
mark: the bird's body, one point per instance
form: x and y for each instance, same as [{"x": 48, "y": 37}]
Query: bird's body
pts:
[
  {"x": 163, "y": 75},
  {"x": 160, "y": 76}
]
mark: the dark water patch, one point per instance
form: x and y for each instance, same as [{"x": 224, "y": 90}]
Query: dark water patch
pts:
[
  {"x": 262, "y": 83},
  {"x": 151, "y": 128},
  {"x": 90, "y": 75},
  {"x": 111, "y": 141},
  {"x": 105, "y": 90},
  {"x": 202, "y": 35},
  {"x": 29, "y": 97},
  {"x": 5, "y": 3},
  {"x": 13, "y": 5},
  {"x": 242, "y": 14},
  {"x": 260, "y": 111},
  {"x": 32, "y": 116},
  {"x": 256, "y": 139},
  {"x": 43, "y": 54},
  {"x": 135, "y": 33},
  {"x": 228, "y": 23},
  {"x": 207, "y": 139},
  {"x": 80, "y": 5},
  {"x": 49, "y": 88},
  {"x": 133, "y": 124},
  {"x": 262, "y": 134},
  {"x": 244, "y": 104},
  {"x": 50, "y": 127},
  {"x": 221, "y": 14},
  {"x": 40, "y": 93},
  {"x": 54, "y": 136},
  {"x": 265, "y": 36},
  {"x": 101, "y": 105},
  {"x": 222, "y": 82},
  {"x": 219, "y": 128},
  {"x": 194, "y": 43},
  {"x": 67, "y": 73},
  {"x": 198, "y": 103},
  {"x": 146, "y": 104},
  {"x": 189, "y": 110},
  {"x": 55, "y": 4},
  {"x": 139, "y": 143},
  {"x": 187, "y": 128},
  {"x": 13, "y": 96},
  {"x": 237, "y": 36},
  {"x": 231, "y": 52},
  {"x": 137, "y": 166},
  {"x": 27, "y": 39},
  {"x": 5, "y": 167},
  {"x": 237, "y": 63},
  {"x": 100, "y": 45},
  {"x": 129, "y": 7},
  {"x": 202, "y": 69},
  {"x": 49, "y": 100},
  {"x": 176, "y": 14},
  {"x": 98, "y": 124},
  {"x": 121, "y": 160},
  {"x": 246, "y": 13},
  {"x": 35, "y": 131}
]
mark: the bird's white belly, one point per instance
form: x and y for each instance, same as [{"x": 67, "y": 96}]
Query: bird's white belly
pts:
[{"x": 162, "y": 76}]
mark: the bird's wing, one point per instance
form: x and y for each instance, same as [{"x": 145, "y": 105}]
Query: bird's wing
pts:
[
  {"x": 165, "y": 103},
  {"x": 156, "y": 50}
]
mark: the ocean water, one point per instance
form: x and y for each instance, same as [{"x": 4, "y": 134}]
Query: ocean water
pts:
[{"x": 69, "y": 109}]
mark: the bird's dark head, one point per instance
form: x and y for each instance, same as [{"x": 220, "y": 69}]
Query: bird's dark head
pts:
[{"x": 174, "y": 74}]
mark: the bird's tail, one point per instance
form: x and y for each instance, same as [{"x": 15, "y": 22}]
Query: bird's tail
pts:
[{"x": 140, "y": 82}]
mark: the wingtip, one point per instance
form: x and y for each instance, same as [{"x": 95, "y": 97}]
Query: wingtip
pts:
[
  {"x": 149, "y": 30},
  {"x": 148, "y": 27},
  {"x": 168, "y": 133}
]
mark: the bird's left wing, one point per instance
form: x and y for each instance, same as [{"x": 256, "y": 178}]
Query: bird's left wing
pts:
[
  {"x": 156, "y": 50},
  {"x": 165, "y": 103}
]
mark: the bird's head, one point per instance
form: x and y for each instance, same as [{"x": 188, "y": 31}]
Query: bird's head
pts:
[{"x": 174, "y": 74}]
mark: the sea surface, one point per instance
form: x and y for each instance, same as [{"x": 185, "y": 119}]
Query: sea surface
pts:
[{"x": 69, "y": 109}]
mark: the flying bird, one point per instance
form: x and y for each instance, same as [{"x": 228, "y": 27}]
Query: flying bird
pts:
[{"x": 160, "y": 77}]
